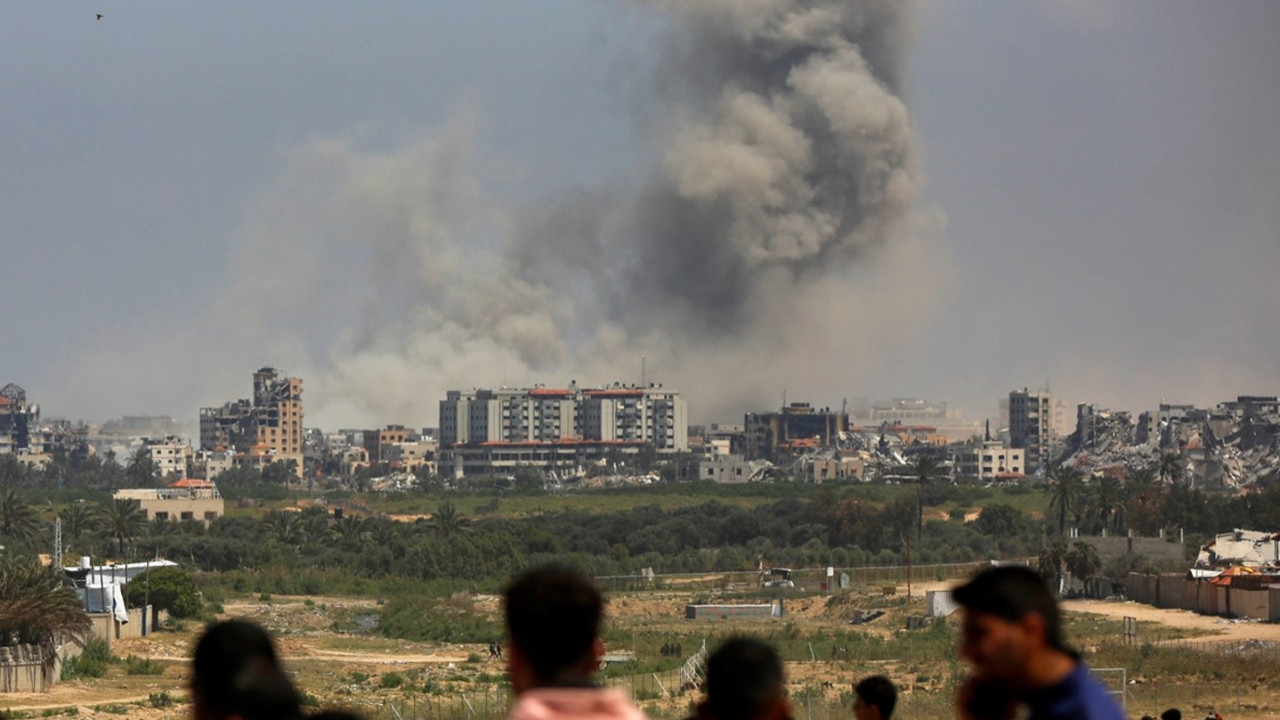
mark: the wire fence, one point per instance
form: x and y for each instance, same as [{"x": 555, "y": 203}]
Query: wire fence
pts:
[{"x": 811, "y": 579}]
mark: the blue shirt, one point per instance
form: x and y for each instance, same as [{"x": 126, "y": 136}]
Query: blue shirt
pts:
[{"x": 1079, "y": 696}]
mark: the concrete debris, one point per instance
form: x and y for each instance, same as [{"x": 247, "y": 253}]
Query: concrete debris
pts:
[{"x": 1235, "y": 445}]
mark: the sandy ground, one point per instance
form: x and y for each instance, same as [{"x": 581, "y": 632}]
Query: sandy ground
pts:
[{"x": 1145, "y": 614}]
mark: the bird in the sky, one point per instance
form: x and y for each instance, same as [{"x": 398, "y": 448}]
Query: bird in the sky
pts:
[{"x": 99, "y": 16}]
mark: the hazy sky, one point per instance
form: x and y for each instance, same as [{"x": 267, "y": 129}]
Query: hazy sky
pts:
[{"x": 189, "y": 191}]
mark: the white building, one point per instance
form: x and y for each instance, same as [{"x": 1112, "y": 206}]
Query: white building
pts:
[
  {"x": 483, "y": 429},
  {"x": 987, "y": 461},
  {"x": 171, "y": 456}
]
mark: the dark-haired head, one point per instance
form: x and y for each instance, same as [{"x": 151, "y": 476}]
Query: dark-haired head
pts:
[
  {"x": 875, "y": 693},
  {"x": 1011, "y": 593},
  {"x": 236, "y": 672},
  {"x": 744, "y": 682},
  {"x": 553, "y": 618}
]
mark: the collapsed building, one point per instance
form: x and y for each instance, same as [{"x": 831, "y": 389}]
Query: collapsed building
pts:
[
  {"x": 260, "y": 431},
  {"x": 1236, "y": 444}
]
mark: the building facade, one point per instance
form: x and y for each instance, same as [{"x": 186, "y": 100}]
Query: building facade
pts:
[
  {"x": 184, "y": 500},
  {"x": 989, "y": 460},
  {"x": 486, "y": 430},
  {"x": 1031, "y": 425},
  {"x": 17, "y": 420},
  {"x": 263, "y": 430},
  {"x": 768, "y": 432}
]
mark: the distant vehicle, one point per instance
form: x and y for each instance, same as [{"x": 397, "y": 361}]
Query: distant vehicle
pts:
[{"x": 776, "y": 577}]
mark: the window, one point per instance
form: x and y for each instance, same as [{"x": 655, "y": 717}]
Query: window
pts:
[
  {"x": 162, "y": 516},
  {"x": 188, "y": 515},
  {"x": 210, "y": 515}
]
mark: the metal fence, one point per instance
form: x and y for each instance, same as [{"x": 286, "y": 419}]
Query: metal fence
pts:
[{"x": 807, "y": 578}]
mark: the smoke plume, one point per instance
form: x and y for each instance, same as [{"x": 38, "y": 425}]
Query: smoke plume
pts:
[{"x": 782, "y": 158}]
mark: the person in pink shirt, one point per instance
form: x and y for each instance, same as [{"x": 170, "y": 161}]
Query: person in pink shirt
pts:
[{"x": 553, "y": 622}]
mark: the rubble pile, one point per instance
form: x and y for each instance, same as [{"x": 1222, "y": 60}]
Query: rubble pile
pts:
[{"x": 1235, "y": 445}]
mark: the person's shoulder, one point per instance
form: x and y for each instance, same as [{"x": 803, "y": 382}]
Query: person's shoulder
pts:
[{"x": 1099, "y": 700}]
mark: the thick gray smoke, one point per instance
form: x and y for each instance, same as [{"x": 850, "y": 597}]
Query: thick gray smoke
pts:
[
  {"x": 785, "y": 151},
  {"x": 782, "y": 155}
]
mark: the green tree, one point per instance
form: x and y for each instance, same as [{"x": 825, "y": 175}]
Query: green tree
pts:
[
  {"x": 124, "y": 519},
  {"x": 18, "y": 520},
  {"x": 1082, "y": 561},
  {"x": 999, "y": 520},
  {"x": 11, "y": 471},
  {"x": 1066, "y": 489},
  {"x": 167, "y": 588},
  {"x": 924, "y": 470}
]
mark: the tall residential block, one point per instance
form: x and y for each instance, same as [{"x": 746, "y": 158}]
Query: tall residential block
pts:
[
  {"x": 263, "y": 430},
  {"x": 1031, "y": 425},
  {"x": 485, "y": 430}
]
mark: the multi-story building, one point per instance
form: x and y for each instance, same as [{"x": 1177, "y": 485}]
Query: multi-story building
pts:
[
  {"x": 376, "y": 440},
  {"x": 988, "y": 461},
  {"x": 486, "y": 429},
  {"x": 171, "y": 456},
  {"x": 1031, "y": 425},
  {"x": 17, "y": 420},
  {"x": 263, "y": 430},
  {"x": 768, "y": 431},
  {"x": 186, "y": 500}
]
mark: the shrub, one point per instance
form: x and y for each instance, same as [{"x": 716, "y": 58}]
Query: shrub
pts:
[
  {"x": 90, "y": 663},
  {"x": 134, "y": 665},
  {"x": 161, "y": 699},
  {"x": 392, "y": 680}
]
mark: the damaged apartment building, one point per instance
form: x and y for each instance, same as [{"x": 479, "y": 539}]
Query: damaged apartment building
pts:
[
  {"x": 260, "y": 431},
  {"x": 1235, "y": 444},
  {"x": 485, "y": 431}
]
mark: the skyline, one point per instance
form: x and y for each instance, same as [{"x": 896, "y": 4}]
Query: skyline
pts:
[{"x": 1095, "y": 208}]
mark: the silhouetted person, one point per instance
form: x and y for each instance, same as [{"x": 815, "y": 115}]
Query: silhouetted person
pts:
[
  {"x": 1012, "y": 636},
  {"x": 553, "y": 622},
  {"x": 1171, "y": 714},
  {"x": 874, "y": 698},
  {"x": 236, "y": 674},
  {"x": 744, "y": 682}
]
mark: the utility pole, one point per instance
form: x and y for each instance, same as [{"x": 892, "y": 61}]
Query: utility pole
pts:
[{"x": 57, "y": 544}]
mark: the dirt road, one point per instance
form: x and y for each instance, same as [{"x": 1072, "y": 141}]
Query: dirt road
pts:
[{"x": 1223, "y": 629}]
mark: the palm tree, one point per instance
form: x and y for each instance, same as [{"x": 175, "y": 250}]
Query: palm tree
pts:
[
  {"x": 140, "y": 470},
  {"x": 284, "y": 526},
  {"x": 124, "y": 519},
  {"x": 77, "y": 520},
  {"x": 1170, "y": 468},
  {"x": 1065, "y": 488},
  {"x": 1106, "y": 499},
  {"x": 924, "y": 469},
  {"x": 1050, "y": 562},
  {"x": 1140, "y": 485},
  {"x": 35, "y": 607},
  {"x": 17, "y": 519},
  {"x": 349, "y": 531},
  {"x": 446, "y": 521},
  {"x": 1082, "y": 561}
]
